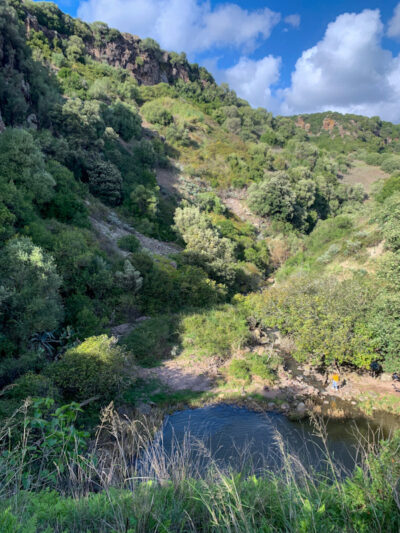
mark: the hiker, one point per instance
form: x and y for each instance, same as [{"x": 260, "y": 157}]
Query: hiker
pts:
[{"x": 335, "y": 382}]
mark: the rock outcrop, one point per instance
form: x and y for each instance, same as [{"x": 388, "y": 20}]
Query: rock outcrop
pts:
[{"x": 148, "y": 66}]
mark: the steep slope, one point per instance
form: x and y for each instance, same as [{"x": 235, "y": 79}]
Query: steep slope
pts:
[{"x": 113, "y": 148}]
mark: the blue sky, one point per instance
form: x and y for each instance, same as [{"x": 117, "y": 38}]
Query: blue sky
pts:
[{"x": 289, "y": 56}]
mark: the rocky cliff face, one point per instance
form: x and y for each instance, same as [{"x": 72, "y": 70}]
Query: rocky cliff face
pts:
[
  {"x": 126, "y": 51},
  {"x": 148, "y": 67}
]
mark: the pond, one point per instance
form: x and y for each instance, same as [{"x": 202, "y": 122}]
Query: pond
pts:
[{"x": 231, "y": 437}]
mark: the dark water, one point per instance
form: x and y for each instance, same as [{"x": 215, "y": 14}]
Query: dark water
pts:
[{"x": 240, "y": 439}]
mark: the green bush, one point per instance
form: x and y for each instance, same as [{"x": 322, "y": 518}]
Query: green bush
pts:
[
  {"x": 29, "y": 292},
  {"x": 152, "y": 340},
  {"x": 129, "y": 243},
  {"x": 327, "y": 231},
  {"x": 264, "y": 366},
  {"x": 390, "y": 186},
  {"x": 328, "y": 319},
  {"x": 93, "y": 368},
  {"x": 273, "y": 198},
  {"x": 34, "y": 386},
  {"x": 155, "y": 113},
  {"x": 218, "y": 332},
  {"x": 391, "y": 164},
  {"x": 240, "y": 369},
  {"x": 105, "y": 181}
]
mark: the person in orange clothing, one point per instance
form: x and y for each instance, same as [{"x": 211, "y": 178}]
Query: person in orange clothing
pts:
[{"x": 335, "y": 382}]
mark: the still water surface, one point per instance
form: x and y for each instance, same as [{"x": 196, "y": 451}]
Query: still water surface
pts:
[{"x": 241, "y": 439}]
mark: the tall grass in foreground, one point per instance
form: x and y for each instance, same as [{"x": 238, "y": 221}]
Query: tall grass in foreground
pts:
[{"x": 50, "y": 482}]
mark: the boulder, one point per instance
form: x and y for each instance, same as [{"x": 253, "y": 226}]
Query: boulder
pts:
[{"x": 301, "y": 407}]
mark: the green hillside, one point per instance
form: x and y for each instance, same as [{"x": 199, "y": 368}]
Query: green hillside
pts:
[{"x": 150, "y": 219}]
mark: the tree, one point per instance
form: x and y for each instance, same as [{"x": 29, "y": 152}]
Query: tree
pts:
[
  {"x": 22, "y": 166},
  {"x": 124, "y": 119},
  {"x": 75, "y": 49},
  {"x": 31, "y": 301},
  {"x": 273, "y": 198},
  {"x": 105, "y": 181},
  {"x": 204, "y": 243},
  {"x": 129, "y": 279}
]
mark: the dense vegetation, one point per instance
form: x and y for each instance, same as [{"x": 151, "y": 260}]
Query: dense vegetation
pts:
[{"x": 84, "y": 146}]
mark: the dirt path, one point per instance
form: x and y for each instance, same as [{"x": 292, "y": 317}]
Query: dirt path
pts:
[
  {"x": 110, "y": 228},
  {"x": 177, "y": 374},
  {"x": 235, "y": 202}
]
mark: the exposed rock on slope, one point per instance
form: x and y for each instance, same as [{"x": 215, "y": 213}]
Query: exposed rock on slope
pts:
[
  {"x": 149, "y": 66},
  {"x": 110, "y": 228}
]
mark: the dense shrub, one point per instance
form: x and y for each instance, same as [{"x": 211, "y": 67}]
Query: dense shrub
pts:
[
  {"x": 328, "y": 319},
  {"x": 153, "y": 339},
  {"x": 129, "y": 243},
  {"x": 390, "y": 186},
  {"x": 29, "y": 294},
  {"x": 155, "y": 113},
  {"x": 273, "y": 198},
  {"x": 105, "y": 181},
  {"x": 93, "y": 368},
  {"x": 218, "y": 332}
]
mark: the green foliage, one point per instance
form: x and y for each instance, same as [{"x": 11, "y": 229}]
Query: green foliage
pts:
[
  {"x": 389, "y": 218},
  {"x": 93, "y": 368},
  {"x": 66, "y": 204},
  {"x": 203, "y": 241},
  {"x": 273, "y": 198},
  {"x": 129, "y": 243},
  {"x": 328, "y": 319},
  {"x": 391, "y": 164},
  {"x": 124, "y": 119},
  {"x": 390, "y": 187},
  {"x": 49, "y": 437},
  {"x": 364, "y": 501},
  {"x": 33, "y": 386},
  {"x": 240, "y": 369},
  {"x": 105, "y": 181},
  {"x": 214, "y": 333},
  {"x": 143, "y": 202},
  {"x": 30, "y": 299},
  {"x": 23, "y": 176},
  {"x": 75, "y": 48},
  {"x": 153, "y": 339},
  {"x": 254, "y": 365},
  {"x": 155, "y": 113}
]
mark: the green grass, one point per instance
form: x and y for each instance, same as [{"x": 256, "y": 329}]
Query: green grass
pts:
[
  {"x": 154, "y": 391},
  {"x": 152, "y": 340},
  {"x": 221, "y": 503}
]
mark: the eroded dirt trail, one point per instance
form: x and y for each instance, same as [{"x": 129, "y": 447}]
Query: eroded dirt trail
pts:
[{"x": 110, "y": 228}]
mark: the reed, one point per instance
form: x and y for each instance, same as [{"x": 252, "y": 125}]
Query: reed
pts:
[{"x": 126, "y": 480}]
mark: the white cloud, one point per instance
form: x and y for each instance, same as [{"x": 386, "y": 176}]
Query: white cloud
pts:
[
  {"x": 293, "y": 20},
  {"x": 394, "y": 23},
  {"x": 252, "y": 80},
  {"x": 184, "y": 25},
  {"x": 347, "y": 71}
]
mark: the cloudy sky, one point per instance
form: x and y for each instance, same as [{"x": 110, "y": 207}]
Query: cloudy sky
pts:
[{"x": 288, "y": 56}]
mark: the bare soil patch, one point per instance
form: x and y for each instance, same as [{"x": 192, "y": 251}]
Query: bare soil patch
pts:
[
  {"x": 168, "y": 180},
  {"x": 110, "y": 228},
  {"x": 364, "y": 174},
  {"x": 177, "y": 374}
]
